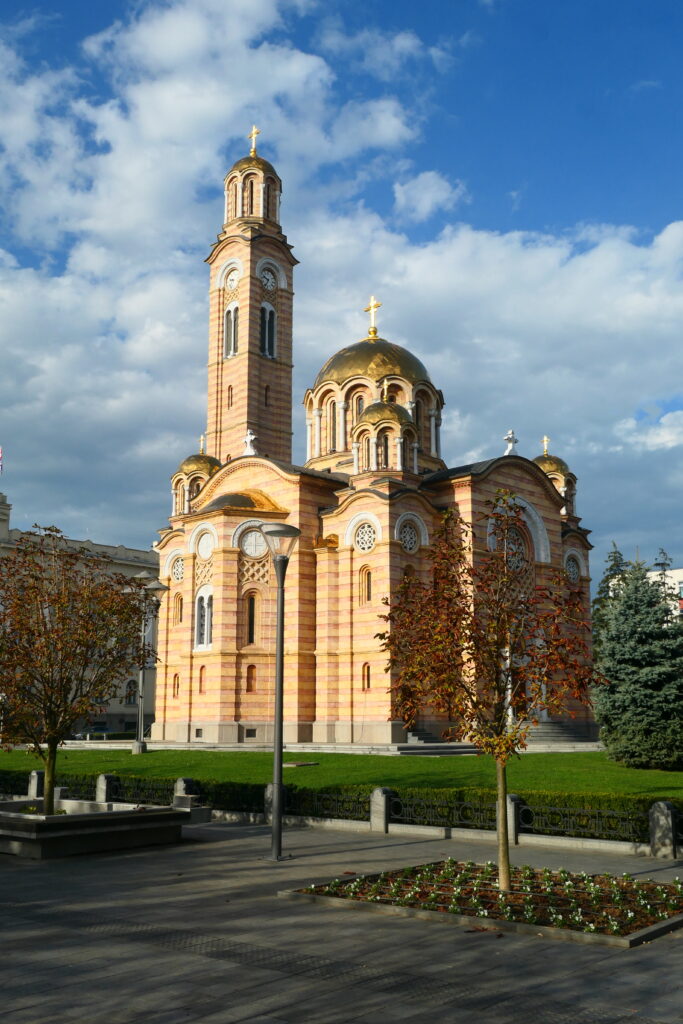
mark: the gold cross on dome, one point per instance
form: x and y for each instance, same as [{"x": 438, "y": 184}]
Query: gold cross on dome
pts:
[
  {"x": 252, "y": 135},
  {"x": 545, "y": 441},
  {"x": 372, "y": 309}
]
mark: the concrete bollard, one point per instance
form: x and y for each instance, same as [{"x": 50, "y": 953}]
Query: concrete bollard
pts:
[
  {"x": 36, "y": 784},
  {"x": 185, "y": 787},
  {"x": 514, "y": 804},
  {"x": 662, "y": 829},
  {"x": 380, "y": 805},
  {"x": 104, "y": 788}
]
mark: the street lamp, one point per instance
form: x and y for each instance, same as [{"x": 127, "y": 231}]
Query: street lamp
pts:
[
  {"x": 280, "y": 538},
  {"x": 154, "y": 588}
]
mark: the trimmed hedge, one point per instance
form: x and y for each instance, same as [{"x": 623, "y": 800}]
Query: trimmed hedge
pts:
[{"x": 14, "y": 783}]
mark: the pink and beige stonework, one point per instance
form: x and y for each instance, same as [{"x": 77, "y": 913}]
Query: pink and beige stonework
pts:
[{"x": 367, "y": 503}]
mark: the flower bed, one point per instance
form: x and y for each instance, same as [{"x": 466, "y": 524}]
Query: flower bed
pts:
[{"x": 600, "y": 905}]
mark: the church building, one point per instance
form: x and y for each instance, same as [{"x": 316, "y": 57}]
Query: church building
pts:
[{"x": 367, "y": 501}]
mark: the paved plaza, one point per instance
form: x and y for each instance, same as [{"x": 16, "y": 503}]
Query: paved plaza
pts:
[{"x": 196, "y": 932}]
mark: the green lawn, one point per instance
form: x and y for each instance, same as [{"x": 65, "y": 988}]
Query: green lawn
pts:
[{"x": 575, "y": 773}]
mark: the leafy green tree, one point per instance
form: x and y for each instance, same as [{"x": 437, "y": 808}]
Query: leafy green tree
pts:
[
  {"x": 615, "y": 564},
  {"x": 69, "y": 630},
  {"x": 641, "y": 655},
  {"x": 483, "y": 647}
]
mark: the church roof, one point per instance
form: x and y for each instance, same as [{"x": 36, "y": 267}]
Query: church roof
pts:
[
  {"x": 199, "y": 463},
  {"x": 257, "y": 162},
  {"x": 379, "y": 411},
  {"x": 237, "y": 500},
  {"x": 374, "y": 358},
  {"x": 552, "y": 464}
]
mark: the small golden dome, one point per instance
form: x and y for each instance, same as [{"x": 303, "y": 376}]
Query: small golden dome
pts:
[
  {"x": 374, "y": 358},
  {"x": 552, "y": 464},
  {"x": 257, "y": 162},
  {"x": 199, "y": 464},
  {"x": 379, "y": 411}
]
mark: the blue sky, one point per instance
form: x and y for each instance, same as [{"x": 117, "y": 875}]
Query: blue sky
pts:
[{"x": 505, "y": 175}]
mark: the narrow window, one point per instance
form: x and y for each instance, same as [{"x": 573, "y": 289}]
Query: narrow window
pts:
[
  {"x": 266, "y": 395},
  {"x": 267, "y": 201},
  {"x": 364, "y": 585},
  {"x": 195, "y": 488},
  {"x": 177, "y": 609},
  {"x": 251, "y": 678},
  {"x": 271, "y": 334},
  {"x": 251, "y": 619},
  {"x": 202, "y": 679},
  {"x": 233, "y": 200},
  {"x": 332, "y": 426},
  {"x": 227, "y": 334},
  {"x": 359, "y": 406},
  {"x": 250, "y": 197},
  {"x": 230, "y": 397},
  {"x": 366, "y": 452},
  {"x": 419, "y": 418},
  {"x": 179, "y": 500},
  {"x": 264, "y": 331},
  {"x": 209, "y": 619},
  {"x": 366, "y": 676},
  {"x": 383, "y": 451},
  {"x": 200, "y": 628},
  {"x": 176, "y": 685}
]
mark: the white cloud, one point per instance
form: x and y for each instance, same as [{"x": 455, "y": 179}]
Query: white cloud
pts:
[
  {"x": 421, "y": 197},
  {"x": 381, "y": 54},
  {"x": 666, "y": 433}
]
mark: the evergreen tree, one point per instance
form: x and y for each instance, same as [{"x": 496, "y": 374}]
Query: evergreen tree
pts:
[
  {"x": 616, "y": 564},
  {"x": 641, "y": 655}
]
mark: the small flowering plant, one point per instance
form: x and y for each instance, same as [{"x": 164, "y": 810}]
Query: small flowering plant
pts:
[{"x": 602, "y": 904}]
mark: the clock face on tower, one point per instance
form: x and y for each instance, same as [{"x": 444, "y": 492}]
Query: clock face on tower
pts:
[
  {"x": 232, "y": 279},
  {"x": 268, "y": 279},
  {"x": 253, "y": 543}
]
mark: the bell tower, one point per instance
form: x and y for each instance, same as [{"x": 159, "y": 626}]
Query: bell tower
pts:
[{"x": 250, "y": 321}]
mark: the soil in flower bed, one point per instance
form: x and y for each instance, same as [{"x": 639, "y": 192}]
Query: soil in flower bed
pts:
[{"x": 604, "y": 904}]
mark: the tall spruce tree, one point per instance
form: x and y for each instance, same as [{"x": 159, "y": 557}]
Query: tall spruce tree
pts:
[
  {"x": 641, "y": 654},
  {"x": 615, "y": 564}
]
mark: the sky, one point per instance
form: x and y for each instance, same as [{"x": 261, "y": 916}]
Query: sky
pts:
[{"x": 504, "y": 175}]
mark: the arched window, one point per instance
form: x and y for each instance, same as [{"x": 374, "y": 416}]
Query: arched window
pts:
[
  {"x": 332, "y": 426},
  {"x": 195, "y": 487},
  {"x": 366, "y": 452},
  {"x": 383, "y": 450},
  {"x": 365, "y": 585},
  {"x": 230, "y": 331},
  {"x": 268, "y": 331},
  {"x": 365, "y": 676},
  {"x": 177, "y": 609},
  {"x": 176, "y": 685},
  {"x": 230, "y": 396},
  {"x": 251, "y": 678},
  {"x": 232, "y": 200},
  {"x": 251, "y": 618},
  {"x": 179, "y": 502},
  {"x": 202, "y": 679},
  {"x": 268, "y": 200},
  {"x": 266, "y": 395},
  {"x": 131, "y": 696},
  {"x": 358, "y": 406},
  {"x": 249, "y": 197},
  {"x": 419, "y": 418},
  {"x": 203, "y": 618}
]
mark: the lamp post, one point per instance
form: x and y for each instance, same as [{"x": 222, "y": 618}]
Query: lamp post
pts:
[
  {"x": 154, "y": 588},
  {"x": 280, "y": 538}
]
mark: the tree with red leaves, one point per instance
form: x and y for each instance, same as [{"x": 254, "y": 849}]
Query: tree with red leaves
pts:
[
  {"x": 69, "y": 630},
  {"x": 483, "y": 647}
]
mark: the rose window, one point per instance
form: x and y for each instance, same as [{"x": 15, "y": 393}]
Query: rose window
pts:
[
  {"x": 408, "y": 537},
  {"x": 365, "y": 537},
  {"x": 573, "y": 569},
  {"x": 178, "y": 570}
]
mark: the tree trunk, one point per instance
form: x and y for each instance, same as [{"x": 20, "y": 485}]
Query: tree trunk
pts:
[
  {"x": 50, "y": 763},
  {"x": 502, "y": 827}
]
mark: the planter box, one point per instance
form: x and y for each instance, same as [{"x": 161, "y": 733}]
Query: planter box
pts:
[{"x": 90, "y": 829}]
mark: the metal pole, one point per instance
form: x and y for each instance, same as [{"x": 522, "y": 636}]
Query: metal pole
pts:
[
  {"x": 140, "y": 747},
  {"x": 280, "y": 563}
]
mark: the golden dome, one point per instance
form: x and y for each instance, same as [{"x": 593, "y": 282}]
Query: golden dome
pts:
[
  {"x": 257, "y": 162},
  {"x": 199, "y": 464},
  {"x": 379, "y": 411},
  {"x": 374, "y": 358},
  {"x": 552, "y": 464}
]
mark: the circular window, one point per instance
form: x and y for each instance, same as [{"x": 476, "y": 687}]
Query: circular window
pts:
[
  {"x": 516, "y": 550},
  {"x": 365, "y": 537},
  {"x": 408, "y": 537},
  {"x": 178, "y": 569},
  {"x": 573, "y": 569},
  {"x": 205, "y": 546},
  {"x": 253, "y": 543}
]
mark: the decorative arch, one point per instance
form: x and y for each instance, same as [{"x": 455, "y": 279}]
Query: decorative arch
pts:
[
  {"x": 170, "y": 559},
  {"x": 231, "y": 264},
  {"x": 199, "y": 529},
  {"x": 248, "y": 524},
  {"x": 354, "y": 523},
  {"x": 536, "y": 527},
  {"x": 580, "y": 557},
  {"x": 271, "y": 264},
  {"x": 417, "y": 521}
]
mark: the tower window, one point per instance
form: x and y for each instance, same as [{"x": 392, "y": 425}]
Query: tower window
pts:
[
  {"x": 251, "y": 678},
  {"x": 268, "y": 332},
  {"x": 359, "y": 405},
  {"x": 251, "y": 618},
  {"x": 364, "y": 585},
  {"x": 177, "y": 609},
  {"x": 230, "y": 331},
  {"x": 383, "y": 451},
  {"x": 332, "y": 427}
]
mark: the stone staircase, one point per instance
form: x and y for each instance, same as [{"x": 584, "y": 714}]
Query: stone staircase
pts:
[{"x": 549, "y": 733}]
